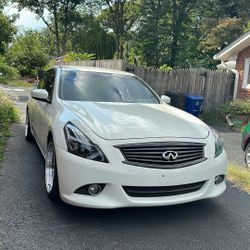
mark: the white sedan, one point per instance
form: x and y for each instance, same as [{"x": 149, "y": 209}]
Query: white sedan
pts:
[{"x": 109, "y": 141}]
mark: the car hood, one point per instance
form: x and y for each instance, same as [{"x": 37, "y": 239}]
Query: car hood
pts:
[{"x": 119, "y": 121}]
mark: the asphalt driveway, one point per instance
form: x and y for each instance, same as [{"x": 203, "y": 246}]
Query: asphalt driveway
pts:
[
  {"x": 28, "y": 220},
  {"x": 232, "y": 144}
]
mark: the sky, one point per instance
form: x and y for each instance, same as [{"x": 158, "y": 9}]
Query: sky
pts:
[{"x": 27, "y": 19}]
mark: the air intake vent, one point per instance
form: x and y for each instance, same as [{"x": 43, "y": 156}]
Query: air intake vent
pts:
[
  {"x": 163, "y": 155},
  {"x": 163, "y": 191}
]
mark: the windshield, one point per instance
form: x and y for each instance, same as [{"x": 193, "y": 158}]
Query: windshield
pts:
[{"x": 90, "y": 86}]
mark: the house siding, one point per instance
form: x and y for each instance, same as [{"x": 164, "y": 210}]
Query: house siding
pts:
[{"x": 240, "y": 64}]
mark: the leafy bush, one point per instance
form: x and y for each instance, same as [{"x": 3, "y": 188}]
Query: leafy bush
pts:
[
  {"x": 28, "y": 54},
  {"x": 7, "y": 29},
  {"x": 165, "y": 67},
  {"x": 8, "y": 115},
  {"x": 50, "y": 64},
  {"x": 214, "y": 118},
  {"x": 8, "y": 112},
  {"x": 7, "y": 73},
  {"x": 237, "y": 107},
  {"x": 72, "y": 56}
]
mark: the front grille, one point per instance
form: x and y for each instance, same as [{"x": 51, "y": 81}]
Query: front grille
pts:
[
  {"x": 163, "y": 191},
  {"x": 152, "y": 154}
]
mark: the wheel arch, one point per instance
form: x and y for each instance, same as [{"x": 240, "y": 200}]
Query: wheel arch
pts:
[
  {"x": 246, "y": 143},
  {"x": 27, "y": 111},
  {"x": 50, "y": 136}
]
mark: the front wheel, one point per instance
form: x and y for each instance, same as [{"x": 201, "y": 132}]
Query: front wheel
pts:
[
  {"x": 51, "y": 179},
  {"x": 247, "y": 156},
  {"x": 28, "y": 135}
]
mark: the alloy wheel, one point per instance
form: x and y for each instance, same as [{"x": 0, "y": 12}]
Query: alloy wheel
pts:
[
  {"x": 247, "y": 156},
  {"x": 50, "y": 167},
  {"x": 26, "y": 126}
]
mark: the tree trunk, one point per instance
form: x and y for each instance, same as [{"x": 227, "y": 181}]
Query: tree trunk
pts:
[
  {"x": 174, "y": 35},
  {"x": 180, "y": 13},
  {"x": 156, "y": 38},
  {"x": 173, "y": 52},
  {"x": 121, "y": 50},
  {"x": 56, "y": 32},
  {"x": 118, "y": 45},
  {"x": 64, "y": 42},
  {"x": 66, "y": 29}
]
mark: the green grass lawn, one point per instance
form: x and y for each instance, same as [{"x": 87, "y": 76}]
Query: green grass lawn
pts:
[
  {"x": 214, "y": 118},
  {"x": 240, "y": 176},
  {"x": 20, "y": 83}
]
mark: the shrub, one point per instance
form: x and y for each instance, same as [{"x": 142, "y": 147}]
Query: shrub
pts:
[
  {"x": 237, "y": 107},
  {"x": 28, "y": 54},
  {"x": 7, "y": 73},
  {"x": 72, "y": 56},
  {"x": 8, "y": 113},
  {"x": 165, "y": 67}
]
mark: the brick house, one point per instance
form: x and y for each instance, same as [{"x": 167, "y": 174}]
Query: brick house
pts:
[{"x": 238, "y": 51}]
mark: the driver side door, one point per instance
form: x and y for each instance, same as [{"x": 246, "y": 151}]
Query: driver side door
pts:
[{"x": 44, "y": 110}]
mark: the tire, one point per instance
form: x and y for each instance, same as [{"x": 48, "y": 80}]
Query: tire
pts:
[
  {"x": 247, "y": 156},
  {"x": 51, "y": 177},
  {"x": 28, "y": 135}
]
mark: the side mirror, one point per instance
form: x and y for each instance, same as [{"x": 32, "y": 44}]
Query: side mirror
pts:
[
  {"x": 40, "y": 95},
  {"x": 166, "y": 99}
]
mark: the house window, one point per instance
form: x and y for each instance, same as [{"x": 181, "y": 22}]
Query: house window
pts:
[{"x": 246, "y": 80}]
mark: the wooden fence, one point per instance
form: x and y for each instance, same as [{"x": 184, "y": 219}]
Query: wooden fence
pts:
[
  {"x": 216, "y": 87},
  {"x": 108, "y": 64}
]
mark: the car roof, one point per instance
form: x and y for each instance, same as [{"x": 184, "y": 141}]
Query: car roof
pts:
[{"x": 94, "y": 69}]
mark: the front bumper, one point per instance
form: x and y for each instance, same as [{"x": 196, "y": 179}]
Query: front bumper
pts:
[{"x": 74, "y": 172}]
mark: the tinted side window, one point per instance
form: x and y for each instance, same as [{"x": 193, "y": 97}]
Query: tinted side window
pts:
[{"x": 48, "y": 82}]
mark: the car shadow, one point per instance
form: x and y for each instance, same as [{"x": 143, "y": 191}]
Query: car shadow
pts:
[{"x": 199, "y": 210}]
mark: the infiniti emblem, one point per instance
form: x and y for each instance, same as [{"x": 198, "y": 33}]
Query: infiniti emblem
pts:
[{"x": 170, "y": 155}]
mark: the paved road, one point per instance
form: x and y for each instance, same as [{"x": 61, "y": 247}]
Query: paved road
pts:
[{"x": 28, "y": 220}]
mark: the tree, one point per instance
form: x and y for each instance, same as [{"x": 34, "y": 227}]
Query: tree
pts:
[
  {"x": 152, "y": 29},
  {"x": 162, "y": 26},
  {"x": 218, "y": 34},
  {"x": 89, "y": 36},
  {"x": 28, "y": 54},
  {"x": 178, "y": 33},
  {"x": 7, "y": 31},
  {"x": 243, "y": 10},
  {"x": 231, "y": 9},
  {"x": 3, "y": 4},
  {"x": 179, "y": 14},
  {"x": 47, "y": 38},
  {"x": 57, "y": 15},
  {"x": 120, "y": 16}
]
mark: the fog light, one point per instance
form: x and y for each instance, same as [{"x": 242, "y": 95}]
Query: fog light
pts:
[
  {"x": 94, "y": 189},
  {"x": 218, "y": 179}
]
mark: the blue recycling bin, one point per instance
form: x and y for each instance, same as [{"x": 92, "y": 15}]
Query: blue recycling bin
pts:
[{"x": 193, "y": 104}]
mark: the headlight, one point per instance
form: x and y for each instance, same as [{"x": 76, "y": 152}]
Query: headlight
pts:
[
  {"x": 80, "y": 145},
  {"x": 218, "y": 143}
]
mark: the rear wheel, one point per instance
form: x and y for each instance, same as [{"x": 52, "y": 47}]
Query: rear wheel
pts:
[
  {"x": 28, "y": 134},
  {"x": 247, "y": 156},
  {"x": 51, "y": 178}
]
